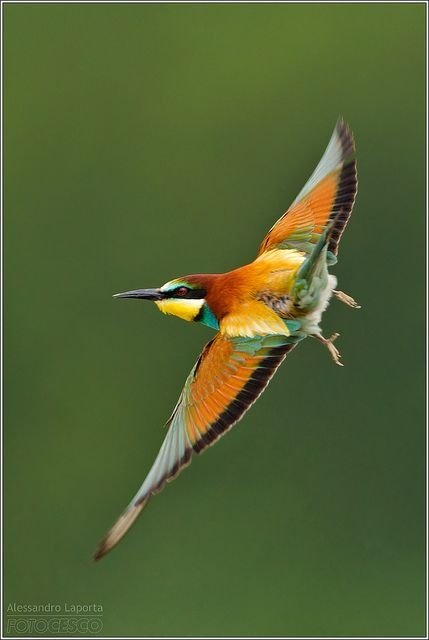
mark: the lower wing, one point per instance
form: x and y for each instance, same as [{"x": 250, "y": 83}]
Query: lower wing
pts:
[{"x": 230, "y": 374}]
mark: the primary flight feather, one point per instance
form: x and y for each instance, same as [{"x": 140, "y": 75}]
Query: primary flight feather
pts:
[{"x": 261, "y": 311}]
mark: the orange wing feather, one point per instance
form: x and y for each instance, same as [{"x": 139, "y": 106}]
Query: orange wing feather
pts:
[
  {"x": 328, "y": 197},
  {"x": 226, "y": 380}
]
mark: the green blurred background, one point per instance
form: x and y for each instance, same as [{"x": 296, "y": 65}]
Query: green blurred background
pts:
[{"x": 144, "y": 142}]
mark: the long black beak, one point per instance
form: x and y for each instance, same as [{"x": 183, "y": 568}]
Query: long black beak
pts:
[{"x": 144, "y": 294}]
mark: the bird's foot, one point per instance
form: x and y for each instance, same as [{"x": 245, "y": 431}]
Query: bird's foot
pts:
[
  {"x": 348, "y": 300},
  {"x": 329, "y": 343}
]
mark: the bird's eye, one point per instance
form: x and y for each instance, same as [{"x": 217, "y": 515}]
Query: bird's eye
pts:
[{"x": 181, "y": 292}]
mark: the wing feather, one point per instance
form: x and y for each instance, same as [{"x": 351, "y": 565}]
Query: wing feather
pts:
[
  {"x": 229, "y": 376},
  {"x": 327, "y": 197}
]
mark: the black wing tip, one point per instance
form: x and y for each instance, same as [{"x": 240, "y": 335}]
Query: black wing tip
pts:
[
  {"x": 343, "y": 205},
  {"x": 346, "y": 137},
  {"x": 119, "y": 529},
  {"x": 100, "y": 551},
  {"x": 103, "y": 548},
  {"x": 126, "y": 520}
]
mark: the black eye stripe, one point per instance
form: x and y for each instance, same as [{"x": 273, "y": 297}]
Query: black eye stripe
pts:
[
  {"x": 196, "y": 294},
  {"x": 190, "y": 294}
]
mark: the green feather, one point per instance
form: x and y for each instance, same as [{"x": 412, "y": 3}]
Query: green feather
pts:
[{"x": 207, "y": 317}]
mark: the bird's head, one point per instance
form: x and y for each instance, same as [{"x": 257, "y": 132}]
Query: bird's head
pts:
[{"x": 183, "y": 297}]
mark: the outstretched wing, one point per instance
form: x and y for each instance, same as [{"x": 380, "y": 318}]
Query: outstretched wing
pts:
[
  {"x": 327, "y": 197},
  {"x": 229, "y": 376}
]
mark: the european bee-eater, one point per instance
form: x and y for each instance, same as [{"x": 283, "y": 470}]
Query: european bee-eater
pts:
[{"x": 260, "y": 311}]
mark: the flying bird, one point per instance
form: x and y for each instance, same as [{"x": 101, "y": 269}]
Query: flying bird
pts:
[{"x": 261, "y": 311}]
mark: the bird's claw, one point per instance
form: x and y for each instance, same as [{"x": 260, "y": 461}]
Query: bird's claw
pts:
[
  {"x": 329, "y": 343},
  {"x": 336, "y": 355},
  {"x": 346, "y": 299}
]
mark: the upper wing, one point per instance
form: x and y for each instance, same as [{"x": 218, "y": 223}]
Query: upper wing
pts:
[
  {"x": 327, "y": 197},
  {"x": 229, "y": 376}
]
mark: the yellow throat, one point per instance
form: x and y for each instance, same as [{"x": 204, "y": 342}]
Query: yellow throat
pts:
[{"x": 186, "y": 309}]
